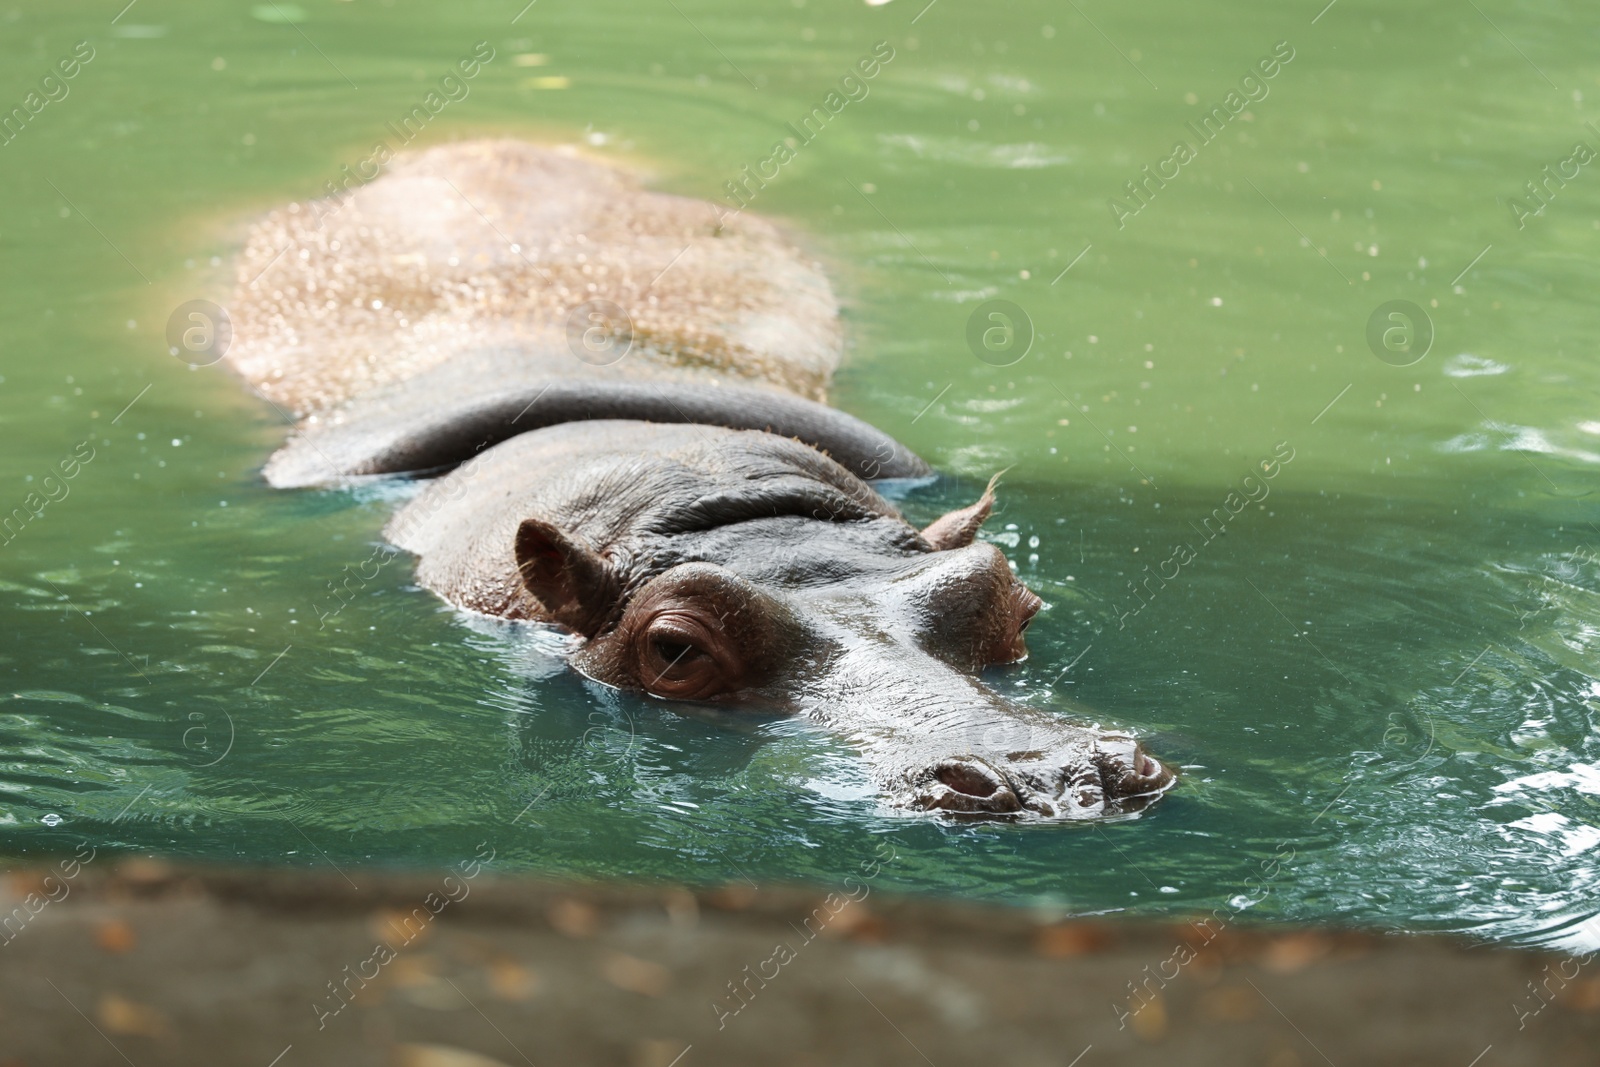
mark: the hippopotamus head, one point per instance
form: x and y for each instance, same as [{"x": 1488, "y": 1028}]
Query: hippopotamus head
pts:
[
  {"x": 735, "y": 557},
  {"x": 751, "y": 571},
  {"x": 890, "y": 655}
]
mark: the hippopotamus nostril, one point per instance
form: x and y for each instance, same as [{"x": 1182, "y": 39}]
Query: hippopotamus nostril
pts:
[
  {"x": 970, "y": 779},
  {"x": 967, "y": 784}
]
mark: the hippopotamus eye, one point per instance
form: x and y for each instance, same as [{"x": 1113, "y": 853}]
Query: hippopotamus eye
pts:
[
  {"x": 671, "y": 651},
  {"x": 1023, "y": 605},
  {"x": 681, "y": 654},
  {"x": 695, "y": 632}
]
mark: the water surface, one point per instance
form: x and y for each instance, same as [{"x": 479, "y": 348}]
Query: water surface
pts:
[{"x": 1388, "y": 665}]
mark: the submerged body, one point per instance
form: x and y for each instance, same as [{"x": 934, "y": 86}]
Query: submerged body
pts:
[{"x": 738, "y": 557}]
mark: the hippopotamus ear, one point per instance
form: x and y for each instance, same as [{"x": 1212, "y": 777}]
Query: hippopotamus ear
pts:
[
  {"x": 576, "y": 586},
  {"x": 956, "y": 529}
]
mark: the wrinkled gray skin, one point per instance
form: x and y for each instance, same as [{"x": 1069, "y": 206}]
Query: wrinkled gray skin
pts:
[
  {"x": 448, "y": 414},
  {"x": 748, "y": 569},
  {"x": 436, "y": 316}
]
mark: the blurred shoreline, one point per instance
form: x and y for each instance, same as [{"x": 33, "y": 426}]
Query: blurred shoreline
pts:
[{"x": 144, "y": 961}]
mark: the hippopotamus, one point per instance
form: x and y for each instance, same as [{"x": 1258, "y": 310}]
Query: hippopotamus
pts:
[{"x": 617, "y": 397}]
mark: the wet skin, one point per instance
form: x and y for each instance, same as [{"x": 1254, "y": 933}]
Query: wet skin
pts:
[
  {"x": 748, "y": 570},
  {"x": 736, "y": 558}
]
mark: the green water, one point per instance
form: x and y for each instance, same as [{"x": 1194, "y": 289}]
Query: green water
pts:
[{"x": 1388, "y": 666}]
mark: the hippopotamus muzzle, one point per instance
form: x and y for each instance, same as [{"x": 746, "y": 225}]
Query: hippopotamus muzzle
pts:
[
  {"x": 1110, "y": 775},
  {"x": 941, "y": 740},
  {"x": 748, "y": 571},
  {"x": 620, "y": 400}
]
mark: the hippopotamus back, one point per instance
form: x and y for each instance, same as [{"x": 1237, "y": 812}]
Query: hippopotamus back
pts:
[
  {"x": 484, "y": 245},
  {"x": 438, "y": 321}
]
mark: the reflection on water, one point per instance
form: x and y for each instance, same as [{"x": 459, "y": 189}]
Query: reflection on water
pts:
[
  {"x": 1386, "y": 666},
  {"x": 1333, "y": 682}
]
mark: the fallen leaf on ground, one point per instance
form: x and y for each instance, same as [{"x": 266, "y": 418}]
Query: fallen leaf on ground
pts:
[
  {"x": 114, "y": 935},
  {"x": 401, "y": 928},
  {"x": 141, "y": 870},
  {"x": 1150, "y": 1022},
  {"x": 1585, "y": 995},
  {"x": 440, "y": 1056},
  {"x": 856, "y": 922},
  {"x": 574, "y": 918},
  {"x": 512, "y": 981},
  {"x": 1234, "y": 1004},
  {"x": 123, "y": 1016},
  {"x": 1285, "y": 955},
  {"x": 636, "y": 975},
  {"x": 1072, "y": 939},
  {"x": 682, "y": 908},
  {"x": 735, "y": 897}
]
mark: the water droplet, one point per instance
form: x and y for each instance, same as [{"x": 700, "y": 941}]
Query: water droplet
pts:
[{"x": 51, "y": 820}]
